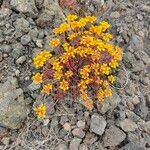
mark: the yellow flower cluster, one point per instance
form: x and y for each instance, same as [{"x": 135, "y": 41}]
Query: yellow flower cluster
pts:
[
  {"x": 54, "y": 42},
  {"x": 84, "y": 58},
  {"x": 47, "y": 89},
  {"x": 41, "y": 58},
  {"x": 37, "y": 78},
  {"x": 40, "y": 111}
]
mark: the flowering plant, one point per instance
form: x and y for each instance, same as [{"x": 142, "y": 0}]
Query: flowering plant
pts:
[{"x": 82, "y": 62}]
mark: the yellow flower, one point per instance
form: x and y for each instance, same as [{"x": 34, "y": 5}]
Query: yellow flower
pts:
[
  {"x": 61, "y": 29},
  {"x": 74, "y": 25},
  {"x": 105, "y": 69},
  {"x": 107, "y": 92},
  {"x": 88, "y": 104},
  {"x": 107, "y": 37},
  {"x": 64, "y": 85},
  {"x": 113, "y": 64},
  {"x": 95, "y": 56},
  {"x": 96, "y": 68},
  {"x": 66, "y": 46},
  {"x": 72, "y": 36},
  {"x": 83, "y": 22},
  {"x": 57, "y": 75},
  {"x": 54, "y": 42},
  {"x": 37, "y": 78},
  {"x": 82, "y": 85},
  {"x": 69, "y": 74},
  {"x": 100, "y": 95},
  {"x": 111, "y": 78},
  {"x": 47, "y": 89},
  {"x": 71, "y": 18},
  {"x": 84, "y": 72},
  {"x": 87, "y": 40},
  {"x": 40, "y": 111},
  {"x": 105, "y": 25},
  {"x": 41, "y": 58},
  {"x": 105, "y": 83},
  {"x": 84, "y": 95},
  {"x": 91, "y": 19}
]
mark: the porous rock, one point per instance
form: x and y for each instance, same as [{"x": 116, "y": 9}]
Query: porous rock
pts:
[{"x": 12, "y": 107}]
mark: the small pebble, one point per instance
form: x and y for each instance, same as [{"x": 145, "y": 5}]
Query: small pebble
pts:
[
  {"x": 81, "y": 124},
  {"x": 21, "y": 60}
]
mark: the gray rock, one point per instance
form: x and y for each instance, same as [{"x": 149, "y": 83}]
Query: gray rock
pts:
[
  {"x": 45, "y": 18},
  {"x": 3, "y": 131},
  {"x": 39, "y": 43},
  {"x": 131, "y": 115},
  {"x": 62, "y": 147},
  {"x": 83, "y": 147},
  {"x": 5, "y": 140},
  {"x": 17, "y": 50},
  {"x": 78, "y": 133},
  {"x": 81, "y": 124},
  {"x": 137, "y": 43},
  {"x": 63, "y": 119},
  {"x": 135, "y": 100},
  {"x": 115, "y": 14},
  {"x": 133, "y": 146},
  {"x": 145, "y": 8},
  {"x": 141, "y": 110},
  {"x": 110, "y": 103},
  {"x": 25, "y": 39},
  {"x": 74, "y": 144},
  {"x": 34, "y": 87},
  {"x": 25, "y": 6},
  {"x": 132, "y": 137},
  {"x": 6, "y": 48},
  {"x": 128, "y": 125},
  {"x": 147, "y": 127},
  {"x": 90, "y": 138},
  {"x": 21, "y": 25},
  {"x": 12, "y": 107},
  {"x": 139, "y": 67},
  {"x": 5, "y": 12},
  {"x": 33, "y": 33},
  {"x": 139, "y": 16},
  {"x": 21, "y": 60},
  {"x": 97, "y": 124},
  {"x": 113, "y": 136}
]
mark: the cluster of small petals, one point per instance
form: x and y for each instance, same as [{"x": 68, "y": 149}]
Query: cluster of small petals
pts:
[
  {"x": 64, "y": 85},
  {"x": 46, "y": 89},
  {"x": 83, "y": 61},
  {"x": 91, "y": 19},
  {"x": 69, "y": 74},
  {"x": 37, "y": 78},
  {"x": 85, "y": 72},
  {"x": 105, "y": 69},
  {"x": 111, "y": 78},
  {"x": 70, "y": 18},
  {"x": 107, "y": 37},
  {"x": 105, "y": 25},
  {"x": 54, "y": 42},
  {"x": 41, "y": 58},
  {"x": 40, "y": 111},
  {"x": 61, "y": 29}
]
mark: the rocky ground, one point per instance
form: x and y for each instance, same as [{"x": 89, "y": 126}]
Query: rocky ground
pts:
[{"x": 121, "y": 123}]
